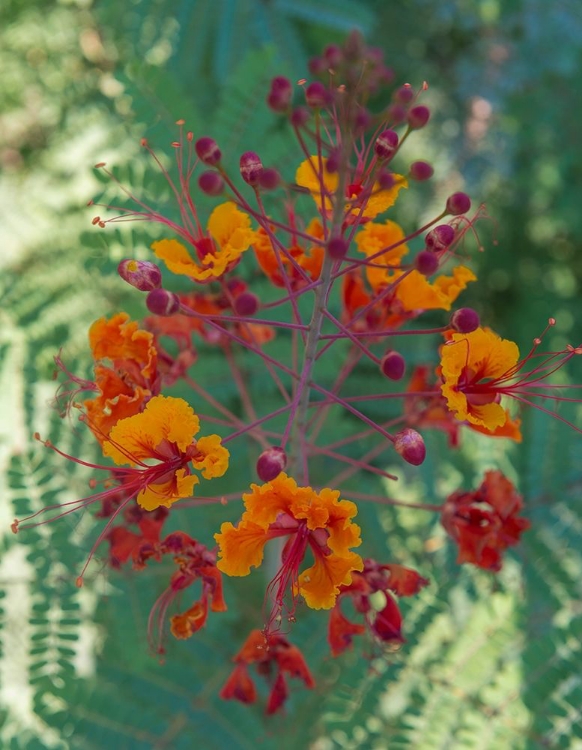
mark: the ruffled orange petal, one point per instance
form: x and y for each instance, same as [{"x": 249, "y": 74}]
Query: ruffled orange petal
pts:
[
  {"x": 165, "y": 418},
  {"x": 240, "y": 547},
  {"x": 510, "y": 429},
  {"x": 319, "y": 584},
  {"x": 231, "y": 228},
  {"x": 120, "y": 338},
  {"x": 176, "y": 257},
  {"x": 373, "y": 238},
  {"x": 215, "y": 459},
  {"x": 416, "y": 292},
  {"x": 484, "y": 352},
  {"x": 167, "y": 493},
  {"x": 343, "y": 533},
  {"x": 265, "y": 502}
]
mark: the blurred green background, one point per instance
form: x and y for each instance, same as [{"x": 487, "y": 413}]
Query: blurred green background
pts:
[{"x": 490, "y": 662}]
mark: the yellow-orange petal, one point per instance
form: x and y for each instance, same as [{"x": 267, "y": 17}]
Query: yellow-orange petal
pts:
[
  {"x": 416, "y": 292},
  {"x": 510, "y": 429},
  {"x": 231, "y": 228},
  {"x": 120, "y": 338},
  {"x": 176, "y": 257},
  {"x": 164, "y": 418},
  {"x": 373, "y": 238},
  {"x": 381, "y": 200},
  {"x": 167, "y": 493},
  {"x": 311, "y": 174},
  {"x": 266, "y": 501},
  {"x": 319, "y": 584},
  {"x": 215, "y": 460},
  {"x": 240, "y": 547}
]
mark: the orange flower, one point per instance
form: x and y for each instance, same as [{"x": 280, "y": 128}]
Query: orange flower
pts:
[
  {"x": 268, "y": 652},
  {"x": 131, "y": 378},
  {"x": 318, "y": 520},
  {"x": 475, "y": 368},
  {"x": 228, "y": 235},
  {"x": 383, "y": 623},
  {"x": 309, "y": 259},
  {"x": 371, "y": 240},
  {"x": 164, "y": 432},
  {"x": 312, "y": 174},
  {"x": 415, "y": 292},
  {"x": 484, "y": 522}
]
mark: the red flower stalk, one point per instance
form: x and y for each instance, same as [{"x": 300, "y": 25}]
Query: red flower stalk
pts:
[
  {"x": 274, "y": 658},
  {"x": 484, "y": 522},
  {"x": 385, "y": 625}
]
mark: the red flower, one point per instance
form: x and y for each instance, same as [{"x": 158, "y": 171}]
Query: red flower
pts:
[
  {"x": 385, "y": 624},
  {"x": 484, "y": 522},
  {"x": 274, "y": 658}
]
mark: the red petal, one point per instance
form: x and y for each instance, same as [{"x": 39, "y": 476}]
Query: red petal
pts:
[
  {"x": 341, "y": 631},
  {"x": 278, "y": 695},
  {"x": 239, "y": 686},
  {"x": 388, "y": 622}
]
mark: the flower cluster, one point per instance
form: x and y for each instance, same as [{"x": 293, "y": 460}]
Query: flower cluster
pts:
[{"x": 349, "y": 285}]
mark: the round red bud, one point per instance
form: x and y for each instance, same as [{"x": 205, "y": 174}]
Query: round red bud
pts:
[
  {"x": 420, "y": 171},
  {"x": 393, "y": 365},
  {"x": 333, "y": 55},
  {"x": 386, "y": 144},
  {"x": 458, "y": 203},
  {"x": 403, "y": 95},
  {"x": 465, "y": 320},
  {"x": 410, "y": 445},
  {"x": 251, "y": 167},
  {"x": 363, "y": 119},
  {"x": 207, "y": 151},
  {"x": 281, "y": 84},
  {"x": 246, "y": 304},
  {"x": 299, "y": 117},
  {"x": 161, "y": 302},
  {"x": 418, "y": 117},
  {"x": 317, "y": 65},
  {"x": 141, "y": 274},
  {"x": 333, "y": 161},
  {"x": 317, "y": 95},
  {"x": 211, "y": 183},
  {"x": 426, "y": 262},
  {"x": 269, "y": 179},
  {"x": 337, "y": 248},
  {"x": 396, "y": 114},
  {"x": 271, "y": 463},
  {"x": 385, "y": 180},
  {"x": 280, "y": 95},
  {"x": 439, "y": 238}
]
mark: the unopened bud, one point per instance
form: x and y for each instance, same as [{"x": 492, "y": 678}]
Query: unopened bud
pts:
[
  {"x": 337, "y": 248},
  {"x": 269, "y": 179},
  {"x": 161, "y": 302},
  {"x": 251, "y": 167},
  {"x": 271, "y": 463},
  {"x": 211, "y": 183},
  {"x": 141, "y": 274},
  {"x": 439, "y": 238},
  {"x": 317, "y": 95},
  {"x": 362, "y": 120},
  {"x": 207, "y": 151},
  {"x": 299, "y": 117},
  {"x": 418, "y": 117},
  {"x": 246, "y": 304},
  {"x": 458, "y": 203},
  {"x": 317, "y": 65},
  {"x": 410, "y": 445},
  {"x": 465, "y": 320},
  {"x": 420, "y": 171},
  {"x": 385, "y": 180},
  {"x": 332, "y": 162},
  {"x": 279, "y": 97},
  {"x": 396, "y": 114},
  {"x": 403, "y": 95},
  {"x": 426, "y": 262},
  {"x": 393, "y": 365},
  {"x": 333, "y": 55},
  {"x": 386, "y": 144}
]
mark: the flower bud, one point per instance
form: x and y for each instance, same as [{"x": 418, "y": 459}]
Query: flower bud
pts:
[
  {"x": 317, "y": 95},
  {"x": 251, "y": 167},
  {"x": 362, "y": 120},
  {"x": 426, "y": 262},
  {"x": 161, "y": 302},
  {"x": 269, "y": 179},
  {"x": 317, "y": 66},
  {"x": 403, "y": 95},
  {"x": 337, "y": 248},
  {"x": 410, "y": 445},
  {"x": 386, "y": 144},
  {"x": 246, "y": 304},
  {"x": 332, "y": 162},
  {"x": 211, "y": 183},
  {"x": 465, "y": 320},
  {"x": 458, "y": 203},
  {"x": 207, "y": 151},
  {"x": 280, "y": 95},
  {"x": 439, "y": 238},
  {"x": 333, "y": 55},
  {"x": 420, "y": 171},
  {"x": 141, "y": 274},
  {"x": 393, "y": 365},
  {"x": 299, "y": 117},
  {"x": 396, "y": 114},
  {"x": 418, "y": 117},
  {"x": 385, "y": 180},
  {"x": 271, "y": 463}
]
